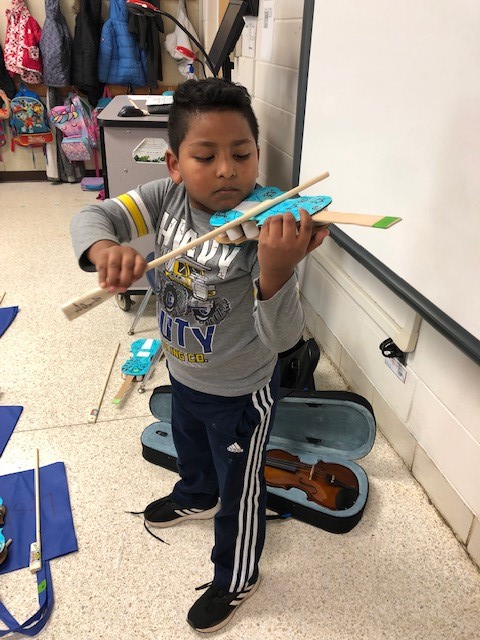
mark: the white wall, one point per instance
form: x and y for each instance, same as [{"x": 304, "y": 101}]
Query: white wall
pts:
[
  {"x": 273, "y": 86},
  {"x": 433, "y": 420}
]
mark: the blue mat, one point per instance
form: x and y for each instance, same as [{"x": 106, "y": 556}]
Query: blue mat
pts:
[
  {"x": 7, "y": 316},
  {"x": 56, "y": 522},
  {"x": 8, "y": 419}
]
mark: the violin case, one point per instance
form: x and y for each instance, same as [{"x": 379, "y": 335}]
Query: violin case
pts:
[{"x": 320, "y": 428}]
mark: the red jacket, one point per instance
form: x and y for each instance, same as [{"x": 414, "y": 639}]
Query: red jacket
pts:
[{"x": 22, "y": 53}]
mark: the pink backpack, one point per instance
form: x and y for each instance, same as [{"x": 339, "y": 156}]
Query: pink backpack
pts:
[
  {"x": 79, "y": 128},
  {"x": 4, "y": 115}
]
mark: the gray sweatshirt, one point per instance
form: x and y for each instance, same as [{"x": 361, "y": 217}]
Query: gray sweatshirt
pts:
[{"x": 218, "y": 337}]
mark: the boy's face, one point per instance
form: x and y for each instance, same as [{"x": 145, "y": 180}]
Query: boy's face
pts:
[{"x": 217, "y": 161}]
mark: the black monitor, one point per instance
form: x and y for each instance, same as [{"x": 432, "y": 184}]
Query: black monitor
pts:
[{"x": 227, "y": 36}]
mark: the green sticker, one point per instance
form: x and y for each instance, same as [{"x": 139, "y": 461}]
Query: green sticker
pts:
[
  {"x": 42, "y": 586},
  {"x": 386, "y": 222}
]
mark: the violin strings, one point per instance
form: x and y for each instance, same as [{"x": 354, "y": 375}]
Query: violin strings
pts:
[{"x": 294, "y": 466}]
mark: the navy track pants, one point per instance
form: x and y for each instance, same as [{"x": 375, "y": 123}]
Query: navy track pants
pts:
[{"x": 220, "y": 445}]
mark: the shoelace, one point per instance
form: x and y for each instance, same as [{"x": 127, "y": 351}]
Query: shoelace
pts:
[
  {"x": 278, "y": 516},
  {"x": 204, "y": 586},
  {"x": 153, "y": 535},
  {"x": 141, "y": 513},
  {"x": 217, "y": 593}
]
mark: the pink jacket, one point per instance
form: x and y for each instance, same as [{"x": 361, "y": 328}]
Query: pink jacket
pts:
[{"x": 22, "y": 53}]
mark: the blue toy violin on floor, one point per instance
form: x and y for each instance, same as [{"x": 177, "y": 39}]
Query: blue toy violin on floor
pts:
[
  {"x": 4, "y": 544},
  {"x": 144, "y": 354}
]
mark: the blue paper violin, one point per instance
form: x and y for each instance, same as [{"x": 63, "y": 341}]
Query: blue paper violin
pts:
[
  {"x": 4, "y": 544},
  {"x": 313, "y": 205},
  {"x": 144, "y": 354}
]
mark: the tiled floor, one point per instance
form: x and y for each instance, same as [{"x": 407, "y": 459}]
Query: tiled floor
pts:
[{"x": 399, "y": 574}]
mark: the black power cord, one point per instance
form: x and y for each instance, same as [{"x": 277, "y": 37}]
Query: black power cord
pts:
[
  {"x": 142, "y": 8},
  {"x": 390, "y": 350}
]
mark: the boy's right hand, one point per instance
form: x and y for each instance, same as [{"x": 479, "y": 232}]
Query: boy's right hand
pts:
[{"x": 117, "y": 265}]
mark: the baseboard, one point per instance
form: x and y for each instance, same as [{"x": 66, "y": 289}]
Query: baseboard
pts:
[
  {"x": 23, "y": 176},
  {"x": 33, "y": 176}
]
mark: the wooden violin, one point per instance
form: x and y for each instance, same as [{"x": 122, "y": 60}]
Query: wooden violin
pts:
[{"x": 329, "y": 485}]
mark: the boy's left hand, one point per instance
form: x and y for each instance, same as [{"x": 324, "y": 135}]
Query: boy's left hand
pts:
[{"x": 281, "y": 246}]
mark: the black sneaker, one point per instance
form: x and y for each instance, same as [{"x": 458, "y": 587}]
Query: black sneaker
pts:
[
  {"x": 216, "y": 607},
  {"x": 165, "y": 512}
]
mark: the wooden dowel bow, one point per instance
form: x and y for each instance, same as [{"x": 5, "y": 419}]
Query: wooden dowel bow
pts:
[
  {"x": 93, "y": 298},
  {"x": 36, "y": 547}
]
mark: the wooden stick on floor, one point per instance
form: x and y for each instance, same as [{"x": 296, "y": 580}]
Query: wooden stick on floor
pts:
[
  {"x": 122, "y": 392},
  {"x": 77, "y": 307},
  {"x": 96, "y": 410},
  {"x": 36, "y": 547}
]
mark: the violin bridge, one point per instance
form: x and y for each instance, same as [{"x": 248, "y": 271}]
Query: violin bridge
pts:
[{"x": 312, "y": 471}]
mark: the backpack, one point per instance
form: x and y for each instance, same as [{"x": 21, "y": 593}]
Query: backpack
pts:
[
  {"x": 4, "y": 115},
  {"x": 28, "y": 120},
  {"x": 80, "y": 131},
  {"x": 298, "y": 364},
  {"x": 4, "y": 105}
]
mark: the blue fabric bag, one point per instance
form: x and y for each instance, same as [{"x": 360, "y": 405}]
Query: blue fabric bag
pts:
[
  {"x": 35, "y": 623},
  {"x": 7, "y": 316},
  {"x": 58, "y": 534},
  {"x": 8, "y": 419}
]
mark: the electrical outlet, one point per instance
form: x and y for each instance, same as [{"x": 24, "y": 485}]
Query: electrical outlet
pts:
[{"x": 397, "y": 367}]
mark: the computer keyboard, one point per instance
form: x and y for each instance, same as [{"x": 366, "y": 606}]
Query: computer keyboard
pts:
[{"x": 159, "y": 104}]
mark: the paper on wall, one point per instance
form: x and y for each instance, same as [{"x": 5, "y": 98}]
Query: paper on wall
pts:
[{"x": 266, "y": 24}]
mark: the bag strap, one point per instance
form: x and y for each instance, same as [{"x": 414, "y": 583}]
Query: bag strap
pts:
[
  {"x": 35, "y": 623},
  {"x": 95, "y": 160},
  {"x": 5, "y": 110}
]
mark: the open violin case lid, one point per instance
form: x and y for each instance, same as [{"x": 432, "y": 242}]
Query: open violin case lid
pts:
[{"x": 320, "y": 435}]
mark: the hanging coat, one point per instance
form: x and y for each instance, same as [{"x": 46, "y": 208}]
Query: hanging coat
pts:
[
  {"x": 22, "y": 53},
  {"x": 120, "y": 60},
  {"x": 6, "y": 82},
  {"x": 86, "y": 43},
  {"x": 55, "y": 47},
  {"x": 147, "y": 31}
]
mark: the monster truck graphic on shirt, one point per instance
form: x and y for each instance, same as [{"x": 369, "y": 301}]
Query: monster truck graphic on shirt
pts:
[{"x": 185, "y": 290}]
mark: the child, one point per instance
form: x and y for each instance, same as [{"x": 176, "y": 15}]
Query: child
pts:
[{"x": 225, "y": 311}]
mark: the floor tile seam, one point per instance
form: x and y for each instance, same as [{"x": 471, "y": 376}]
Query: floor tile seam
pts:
[{"x": 80, "y": 424}]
